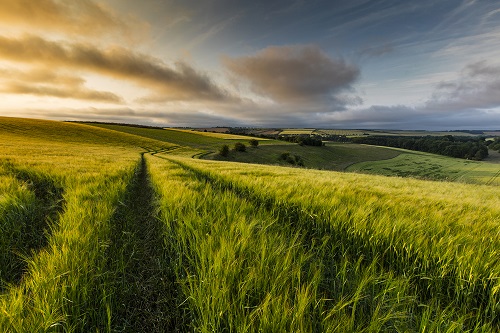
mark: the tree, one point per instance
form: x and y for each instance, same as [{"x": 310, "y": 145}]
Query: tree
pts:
[
  {"x": 254, "y": 142},
  {"x": 294, "y": 160},
  {"x": 238, "y": 146},
  {"x": 224, "y": 150}
]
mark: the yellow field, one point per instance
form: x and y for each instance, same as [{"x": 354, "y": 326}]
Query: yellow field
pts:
[
  {"x": 298, "y": 131},
  {"x": 218, "y": 135}
]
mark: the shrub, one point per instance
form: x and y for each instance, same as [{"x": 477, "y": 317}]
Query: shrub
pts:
[
  {"x": 238, "y": 146},
  {"x": 254, "y": 142},
  {"x": 284, "y": 156},
  {"x": 224, "y": 150},
  {"x": 294, "y": 160}
]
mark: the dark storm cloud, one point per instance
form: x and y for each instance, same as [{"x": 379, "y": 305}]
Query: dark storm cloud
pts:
[
  {"x": 180, "y": 83},
  {"x": 290, "y": 74}
]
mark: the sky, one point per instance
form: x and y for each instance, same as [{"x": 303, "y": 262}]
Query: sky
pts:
[{"x": 386, "y": 64}]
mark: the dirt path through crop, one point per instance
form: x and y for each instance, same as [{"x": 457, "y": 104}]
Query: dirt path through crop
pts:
[{"x": 144, "y": 291}]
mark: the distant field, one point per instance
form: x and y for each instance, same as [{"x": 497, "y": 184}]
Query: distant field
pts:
[
  {"x": 80, "y": 134},
  {"x": 334, "y": 156},
  {"x": 297, "y": 131},
  {"x": 192, "y": 139},
  {"x": 430, "y": 166},
  {"x": 339, "y": 132},
  {"x": 417, "y": 133},
  {"x": 347, "y": 132},
  {"x": 223, "y": 136}
]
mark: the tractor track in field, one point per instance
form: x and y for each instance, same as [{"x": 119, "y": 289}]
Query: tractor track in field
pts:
[
  {"x": 492, "y": 179},
  {"x": 145, "y": 293}
]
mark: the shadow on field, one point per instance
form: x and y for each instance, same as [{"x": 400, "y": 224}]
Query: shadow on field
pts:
[
  {"x": 27, "y": 225},
  {"x": 144, "y": 290}
]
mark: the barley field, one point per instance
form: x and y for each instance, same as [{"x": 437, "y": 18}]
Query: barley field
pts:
[{"x": 106, "y": 231}]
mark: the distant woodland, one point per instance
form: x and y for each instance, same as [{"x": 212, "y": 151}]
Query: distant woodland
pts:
[{"x": 462, "y": 147}]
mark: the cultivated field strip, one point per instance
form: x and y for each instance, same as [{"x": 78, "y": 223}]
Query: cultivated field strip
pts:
[
  {"x": 105, "y": 266},
  {"x": 242, "y": 270},
  {"x": 68, "y": 284},
  {"x": 44, "y": 136},
  {"x": 27, "y": 215},
  {"x": 64, "y": 288},
  {"x": 236, "y": 272},
  {"x": 433, "y": 243},
  {"x": 249, "y": 271},
  {"x": 17, "y": 204}
]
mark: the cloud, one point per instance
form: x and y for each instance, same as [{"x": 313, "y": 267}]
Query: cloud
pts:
[
  {"x": 291, "y": 74},
  {"x": 180, "y": 83},
  {"x": 51, "y": 83},
  {"x": 471, "y": 101},
  {"x": 417, "y": 118},
  {"x": 82, "y": 17},
  {"x": 61, "y": 92},
  {"x": 478, "y": 86},
  {"x": 183, "y": 117}
]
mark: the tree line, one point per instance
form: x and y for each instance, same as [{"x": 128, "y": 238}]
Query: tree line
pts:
[
  {"x": 448, "y": 145},
  {"x": 495, "y": 144},
  {"x": 303, "y": 140}
]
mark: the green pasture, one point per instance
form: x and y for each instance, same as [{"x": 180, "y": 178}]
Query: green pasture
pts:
[
  {"x": 434, "y": 167},
  {"x": 333, "y": 156},
  {"x": 416, "y": 133}
]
